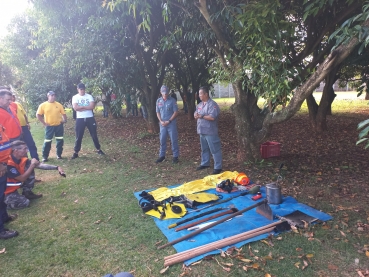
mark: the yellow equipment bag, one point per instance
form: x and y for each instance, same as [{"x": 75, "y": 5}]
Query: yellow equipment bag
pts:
[
  {"x": 208, "y": 182},
  {"x": 167, "y": 212}
]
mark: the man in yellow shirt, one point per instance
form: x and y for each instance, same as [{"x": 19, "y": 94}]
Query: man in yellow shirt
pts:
[
  {"x": 26, "y": 130},
  {"x": 52, "y": 115}
]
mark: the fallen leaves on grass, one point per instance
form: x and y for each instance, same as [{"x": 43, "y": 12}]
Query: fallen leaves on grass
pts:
[
  {"x": 306, "y": 264},
  {"x": 332, "y": 267},
  {"x": 2, "y": 251},
  {"x": 224, "y": 268},
  {"x": 98, "y": 221},
  {"x": 163, "y": 270}
]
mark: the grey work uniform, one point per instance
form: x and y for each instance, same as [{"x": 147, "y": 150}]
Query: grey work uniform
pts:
[
  {"x": 167, "y": 108},
  {"x": 208, "y": 131}
]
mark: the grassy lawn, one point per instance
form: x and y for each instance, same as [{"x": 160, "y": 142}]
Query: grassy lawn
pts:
[{"x": 90, "y": 224}]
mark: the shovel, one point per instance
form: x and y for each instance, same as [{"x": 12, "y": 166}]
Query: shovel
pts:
[{"x": 262, "y": 208}]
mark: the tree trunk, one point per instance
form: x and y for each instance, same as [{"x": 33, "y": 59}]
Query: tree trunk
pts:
[
  {"x": 318, "y": 113},
  {"x": 367, "y": 96},
  {"x": 152, "y": 120},
  {"x": 191, "y": 104},
  {"x": 248, "y": 124}
]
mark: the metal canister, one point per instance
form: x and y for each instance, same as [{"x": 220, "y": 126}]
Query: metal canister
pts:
[{"x": 273, "y": 193}]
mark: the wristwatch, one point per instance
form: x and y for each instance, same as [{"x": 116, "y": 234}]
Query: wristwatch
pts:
[
  {"x": 170, "y": 121},
  {"x": 202, "y": 116}
]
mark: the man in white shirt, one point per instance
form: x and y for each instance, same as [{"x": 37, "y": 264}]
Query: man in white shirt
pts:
[{"x": 83, "y": 103}]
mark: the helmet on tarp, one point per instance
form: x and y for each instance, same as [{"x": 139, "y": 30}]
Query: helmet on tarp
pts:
[{"x": 242, "y": 179}]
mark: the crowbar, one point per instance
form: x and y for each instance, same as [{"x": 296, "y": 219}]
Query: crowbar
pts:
[{"x": 230, "y": 211}]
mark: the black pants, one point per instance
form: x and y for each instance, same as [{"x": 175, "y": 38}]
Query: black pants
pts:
[{"x": 81, "y": 124}]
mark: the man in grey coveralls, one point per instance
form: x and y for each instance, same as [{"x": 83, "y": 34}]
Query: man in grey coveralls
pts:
[
  {"x": 206, "y": 114},
  {"x": 167, "y": 111}
]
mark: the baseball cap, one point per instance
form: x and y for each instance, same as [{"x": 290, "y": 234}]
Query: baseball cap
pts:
[
  {"x": 164, "y": 89},
  {"x": 81, "y": 86},
  {"x": 50, "y": 93}
]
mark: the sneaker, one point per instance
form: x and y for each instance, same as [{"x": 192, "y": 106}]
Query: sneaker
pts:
[
  {"x": 59, "y": 157},
  {"x": 44, "y": 160},
  {"x": 175, "y": 160},
  {"x": 201, "y": 167},
  {"x": 75, "y": 156},
  {"x": 30, "y": 195},
  {"x": 161, "y": 159},
  {"x": 11, "y": 217},
  {"x": 7, "y": 234},
  {"x": 100, "y": 152},
  {"x": 217, "y": 171}
]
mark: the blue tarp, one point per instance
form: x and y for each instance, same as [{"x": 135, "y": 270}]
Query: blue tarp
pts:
[{"x": 248, "y": 221}]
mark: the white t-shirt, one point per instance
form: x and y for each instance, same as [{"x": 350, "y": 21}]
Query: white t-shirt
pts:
[{"x": 83, "y": 101}]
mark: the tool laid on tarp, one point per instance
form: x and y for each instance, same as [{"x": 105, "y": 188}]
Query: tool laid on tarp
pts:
[
  {"x": 193, "y": 217},
  {"x": 216, "y": 245},
  {"x": 203, "y": 225},
  {"x": 298, "y": 219},
  {"x": 262, "y": 208},
  {"x": 253, "y": 190},
  {"x": 230, "y": 211}
]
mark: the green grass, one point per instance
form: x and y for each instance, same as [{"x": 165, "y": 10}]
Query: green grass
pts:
[{"x": 90, "y": 224}]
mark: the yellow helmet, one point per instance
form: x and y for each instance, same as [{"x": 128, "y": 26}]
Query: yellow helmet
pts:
[{"x": 242, "y": 179}]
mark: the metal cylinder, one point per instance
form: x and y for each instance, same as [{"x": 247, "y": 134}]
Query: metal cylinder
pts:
[{"x": 273, "y": 193}]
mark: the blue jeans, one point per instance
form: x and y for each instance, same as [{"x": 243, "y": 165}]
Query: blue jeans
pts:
[
  {"x": 211, "y": 144},
  {"x": 106, "y": 109},
  {"x": 170, "y": 130},
  {"x": 28, "y": 139}
]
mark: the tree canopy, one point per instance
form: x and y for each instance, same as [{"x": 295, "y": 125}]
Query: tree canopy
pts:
[{"x": 275, "y": 50}]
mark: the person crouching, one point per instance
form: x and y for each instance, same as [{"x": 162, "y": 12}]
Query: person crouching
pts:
[{"x": 21, "y": 174}]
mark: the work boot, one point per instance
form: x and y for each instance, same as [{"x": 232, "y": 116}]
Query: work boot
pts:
[
  {"x": 217, "y": 171},
  {"x": 75, "y": 156},
  {"x": 201, "y": 167},
  {"x": 11, "y": 217},
  {"x": 7, "y": 234},
  {"x": 175, "y": 160},
  {"x": 59, "y": 157},
  {"x": 44, "y": 160},
  {"x": 30, "y": 195},
  {"x": 100, "y": 152},
  {"x": 161, "y": 159}
]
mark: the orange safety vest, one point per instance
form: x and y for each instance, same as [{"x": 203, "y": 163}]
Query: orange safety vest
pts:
[
  {"x": 10, "y": 121},
  {"x": 5, "y": 148},
  {"x": 13, "y": 184}
]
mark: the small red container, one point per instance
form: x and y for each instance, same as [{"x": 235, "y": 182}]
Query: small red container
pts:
[{"x": 270, "y": 149}]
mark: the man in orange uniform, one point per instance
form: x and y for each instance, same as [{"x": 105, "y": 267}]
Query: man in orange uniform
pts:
[
  {"x": 21, "y": 174},
  {"x": 5, "y": 100}
]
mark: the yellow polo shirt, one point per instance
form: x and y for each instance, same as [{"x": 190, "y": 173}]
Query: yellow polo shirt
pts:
[
  {"x": 52, "y": 112},
  {"x": 20, "y": 114}
]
